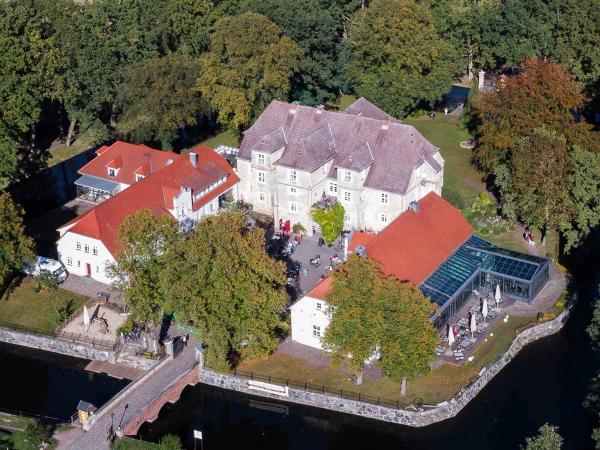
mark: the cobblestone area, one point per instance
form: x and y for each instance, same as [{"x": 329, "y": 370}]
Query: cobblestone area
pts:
[{"x": 89, "y": 287}]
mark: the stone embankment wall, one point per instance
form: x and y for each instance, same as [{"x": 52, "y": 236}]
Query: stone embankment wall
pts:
[
  {"x": 84, "y": 351},
  {"x": 50, "y": 344},
  {"x": 410, "y": 417}
]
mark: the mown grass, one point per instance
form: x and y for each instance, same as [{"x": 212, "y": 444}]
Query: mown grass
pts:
[
  {"x": 22, "y": 308},
  {"x": 226, "y": 137},
  {"x": 134, "y": 444},
  {"x": 441, "y": 384},
  {"x": 61, "y": 152},
  {"x": 14, "y": 437}
]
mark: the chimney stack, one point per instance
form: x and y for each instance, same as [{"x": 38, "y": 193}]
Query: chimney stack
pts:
[
  {"x": 320, "y": 109},
  {"x": 481, "y": 79},
  {"x": 414, "y": 206},
  {"x": 194, "y": 159}
]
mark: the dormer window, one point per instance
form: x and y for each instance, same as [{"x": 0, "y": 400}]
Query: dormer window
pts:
[
  {"x": 292, "y": 175},
  {"x": 139, "y": 177},
  {"x": 112, "y": 172},
  {"x": 260, "y": 158},
  {"x": 347, "y": 176}
]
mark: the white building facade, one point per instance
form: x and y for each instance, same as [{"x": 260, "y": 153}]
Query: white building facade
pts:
[{"x": 372, "y": 164}]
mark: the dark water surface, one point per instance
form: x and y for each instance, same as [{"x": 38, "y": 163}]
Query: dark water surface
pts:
[
  {"x": 49, "y": 384},
  {"x": 546, "y": 382}
]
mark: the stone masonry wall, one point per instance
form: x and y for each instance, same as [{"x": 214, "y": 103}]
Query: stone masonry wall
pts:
[
  {"x": 54, "y": 345},
  {"x": 410, "y": 417}
]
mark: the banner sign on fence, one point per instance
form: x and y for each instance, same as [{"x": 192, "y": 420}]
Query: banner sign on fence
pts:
[{"x": 268, "y": 388}]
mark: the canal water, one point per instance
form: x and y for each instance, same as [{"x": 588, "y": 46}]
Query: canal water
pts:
[
  {"x": 50, "y": 384},
  {"x": 546, "y": 382}
]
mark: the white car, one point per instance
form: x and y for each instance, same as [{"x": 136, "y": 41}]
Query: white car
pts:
[{"x": 34, "y": 268}]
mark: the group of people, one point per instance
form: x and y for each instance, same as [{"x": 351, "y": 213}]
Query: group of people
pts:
[{"x": 529, "y": 237}]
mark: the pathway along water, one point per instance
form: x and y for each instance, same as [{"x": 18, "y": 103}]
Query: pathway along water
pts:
[
  {"x": 49, "y": 384},
  {"x": 546, "y": 382}
]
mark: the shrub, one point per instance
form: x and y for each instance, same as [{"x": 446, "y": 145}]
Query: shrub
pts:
[
  {"x": 298, "y": 228},
  {"x": 62, "y": 311},
  {"x": 331, "y": 221},
  {"x": 169, "y": 442},
  {"x": 482, "y": 213},
  {"x": 44, "y": 280},
  {"x": 37, "y": 432}
]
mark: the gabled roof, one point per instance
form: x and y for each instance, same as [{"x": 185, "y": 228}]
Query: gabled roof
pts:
[
  {"x": 130, "y": 159},
  {"x": 156, "y": 193},
  {"x": 313, "y": 136},
  {"x": 415, "y": 244}
]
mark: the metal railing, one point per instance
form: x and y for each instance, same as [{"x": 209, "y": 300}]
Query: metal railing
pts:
[
  {"x": 78, "y": 338},
  {"x": 29, "y": 415}
]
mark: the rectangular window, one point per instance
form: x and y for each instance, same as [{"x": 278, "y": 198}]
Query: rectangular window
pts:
[
  {"x": 97, "y": 269},
  {"x": 347, "y": 196},
  {"x": 316, "y": 331},
  {"x": 322, "y": 169},
  {"x": 78, "y": 245},
  {"x": 69, "y": 261},
  {"x": 86, "y": 248},
  {"x": 261, "y": 197},
  {"x": 112, "y": 172},
  {"x": 384, "y": 198},
  {"x": 333, "y": 188},
  {"x": 261, "y": 177},
  {"x": 260, "y": 158},
  {"x": 293, "y": 190},
  {"x": 139, "y": 177},
  {"x": 384, "y": 218},
  {"x": 346, "y": 218},
  {"x": 293, "y": 207},
  {"x": 78, "y": 263},
  {"x": 95, "y": 251},
  {"x": 292, "y": 175},
  {"x": 319, "y": 306},
  {"x": 347, "y": 175}
]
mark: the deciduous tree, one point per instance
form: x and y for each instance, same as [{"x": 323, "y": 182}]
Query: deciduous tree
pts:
[
  {"x": 398, "y": 60},
  {"x": 546, "y": 439},
  {"x": 331, "y": 221},
  {"x": 226, "y": 285},
  {"x": 158, "y": 98},
  {"x": 15, "y": 246},
  {"x": 250, "y": 63}
]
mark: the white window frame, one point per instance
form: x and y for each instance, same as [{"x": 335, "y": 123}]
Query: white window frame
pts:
[
  {"x": 261, "y": 197},
  {"x": 78, "y": 263},
  {"x": 95, "y": 250},
  {"x": 347, "y": 196},
  {"x": 319, "y": 306},
  {"x": 86, "y": 248},
  {"x": 322, "y": 169},
  {"x": 347, "y": 176},
  {"x": 385, "y": 198},
  {"x": 316, "y": 331},
  {"x": 293, "y": 207},
  {"x": 260, "y": 158},
  {"x": 293, "y": 175},
  {"x": 293, "y": 190},
  {"x": 69, "y": 261},
  {"x": 383, "y": 218},
  {"x": 78, "y": 245},
  {"x": 138, "y": 177},
  {"x": 346, "y": 218},
  {"x": 112, "y": 172},
  {"x": 333, "y": 188},
  {"x": 261, "y": 177}
]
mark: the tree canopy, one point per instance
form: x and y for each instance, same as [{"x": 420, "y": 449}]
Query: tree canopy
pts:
[
  {"x": 397, "y": 58},
  {"x": 374, "y": 314},
  {"x": 250, "y": 63},
  {"x": 15, "y": 245},
  {"x": 331, "y": 221},
  {"x": 546, "y": 439}
]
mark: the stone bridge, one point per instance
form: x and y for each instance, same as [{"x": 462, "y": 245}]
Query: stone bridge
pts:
[{"x": 139, "y": 402}]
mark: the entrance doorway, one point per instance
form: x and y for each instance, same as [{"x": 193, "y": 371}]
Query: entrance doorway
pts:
[{"x": 88, "y": 269}]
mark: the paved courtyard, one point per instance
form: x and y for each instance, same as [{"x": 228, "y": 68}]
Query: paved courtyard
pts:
[
  {"x": 103, "y": 326},
  {"x": 90, "y": 288}
]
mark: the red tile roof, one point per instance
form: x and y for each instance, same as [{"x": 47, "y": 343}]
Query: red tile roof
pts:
[
  {"x": 130, "y": 159},
  {"x": 414, "y": 245},
  {"x": 156, "y": 193},
  {"x": 360, "y": 238}
]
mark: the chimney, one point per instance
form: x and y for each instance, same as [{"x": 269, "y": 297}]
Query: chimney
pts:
[
  {"x": 481, "y": 79},
  {"x": 414, "y": 206},
  {"x": 386, "y": 124},
  {"x": 361, "y": 251},
  {"x": 320, "y": 109},
  {"x": 194, "y": 159}
]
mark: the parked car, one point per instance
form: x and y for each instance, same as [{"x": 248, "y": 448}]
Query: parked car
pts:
[{"x": 35, "y": 267}]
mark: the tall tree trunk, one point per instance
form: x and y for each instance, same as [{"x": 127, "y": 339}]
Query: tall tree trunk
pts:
[
  {"x": 71, "y": 132},
  {"x": 470, "y": 65},
  {"x": 359, "y": 376},
  {"x": 403, "y": 387}
]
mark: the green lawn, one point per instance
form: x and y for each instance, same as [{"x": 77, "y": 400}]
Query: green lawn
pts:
[
  {"x": 227, "y": 137},
  {"x": 134, "y": 444},
  {"x": 21, "y": 307},
  {"x": 15, "y": 438},
  {"x": 459, "y": 174},
  {"x": 62, "y": 152},
  {"x": 342, "y": 102},
  {"x": 441, "y": 384}
]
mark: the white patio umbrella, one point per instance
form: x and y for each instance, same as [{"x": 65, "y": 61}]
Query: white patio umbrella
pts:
[
  {"x": 498, "y": 295},
  {"x": 484, "y": 309},
  {"x": 473, "y": 324},
  {"x": 86, "y": 318},
  {"x": 450, "y": 336}
]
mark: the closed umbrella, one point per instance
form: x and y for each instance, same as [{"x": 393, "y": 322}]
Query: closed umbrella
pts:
[
  {"x": 86, "y": 318},
  {"x": 450, "y": 336},
  {"x": 473, "y": 324},
  {"x": 497, "y": 296},
  {"x": 484, "y": 309}
]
